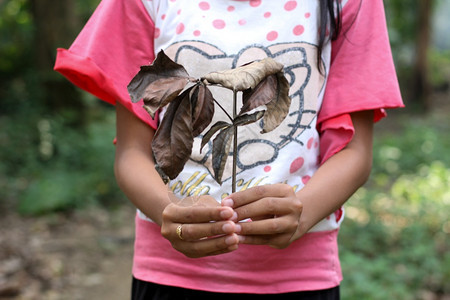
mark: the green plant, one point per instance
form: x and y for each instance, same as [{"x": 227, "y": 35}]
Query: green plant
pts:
[{"x": 394, "y": 242}]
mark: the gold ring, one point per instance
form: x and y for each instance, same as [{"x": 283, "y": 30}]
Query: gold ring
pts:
[{"x": 179, "y": 231}]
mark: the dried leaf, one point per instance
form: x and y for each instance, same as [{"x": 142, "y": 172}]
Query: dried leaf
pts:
[
  {"x": 161, "y": 92},
  {"x": 172, "y": 144},
  {"x": 245, "y": 119},
  {"x": 216, "y": 127},
  {"x": 278, "y": 108},
  {"x": 245, "y": 77},
  {"x": 203, "y": 108},
  {"x": 220, "y": 151},
  {"x": 159, "y": 83},
  {"x": 262, "y": 94}
]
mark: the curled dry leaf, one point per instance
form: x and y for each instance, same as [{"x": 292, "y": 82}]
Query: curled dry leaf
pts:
[
  {"x": 220, "y": 152},
  {"x": 246, "y": 119},
  {"x": 159, "y": 83},
  {"x": 172, "y": 143},
  {"x": 216, "y": 127},
  {"x": 262, "y": 94},
  {"x": 203, "y": 108},
  {"x": 278, "y": 108},
  {"x": 245, "y": 77}
]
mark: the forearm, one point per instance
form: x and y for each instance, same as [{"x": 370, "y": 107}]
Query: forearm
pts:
[
  {"x": 137, "y": 178},
  {"x": 339, "y": 177},
  {"x": 134, "y": 166}
]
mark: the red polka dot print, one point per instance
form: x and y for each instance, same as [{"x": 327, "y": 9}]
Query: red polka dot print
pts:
[
  {"x": 204, "y": 5},
  {"x": 290, "y": 5},
  {"x": 310, "y": 143},
  {"x": 296, "y": 165},
  {"x": 298, "y": 30},
  {"x": 255, "y": 3},
  {"x": 180, "y": 28},
  {"x": 219, "y": 24},
  {"x": 338, "y": 214},
  {"x": 271, "y": 36},
  {"x": 305, "y": 179}
]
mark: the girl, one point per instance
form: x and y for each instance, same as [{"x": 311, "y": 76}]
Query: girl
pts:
[{"x": 276, "y": 236}]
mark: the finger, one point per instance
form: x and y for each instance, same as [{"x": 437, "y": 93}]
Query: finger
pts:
[
  {"x": 196, "y": 214},
  {"x": 273, "y": 226},
  {"x": 208, "y": 247},
  {"x": 194, "y": 232},
  {"x": 256, "y": 193},
  {"x": 266, "y": 207}
]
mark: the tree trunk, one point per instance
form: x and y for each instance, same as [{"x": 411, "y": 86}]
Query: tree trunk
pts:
[
  {"x": 421, "y": 88},
  {"x": 56, "y": 25}
]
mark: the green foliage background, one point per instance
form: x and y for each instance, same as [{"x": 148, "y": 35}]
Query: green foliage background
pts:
[{"x": 394, "y": 242}]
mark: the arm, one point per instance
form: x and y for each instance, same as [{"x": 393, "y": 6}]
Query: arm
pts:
[
  {"x": 138, "y": 179},
  {"x": 340, "y": 176},
  {"x": 295, "y": 213}
]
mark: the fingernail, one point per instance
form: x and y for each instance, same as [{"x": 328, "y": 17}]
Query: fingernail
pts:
[
  {"x": 231, "y": 240},
  {"x": 228, "y": 202},
  {"x": 226, "y": 214},
  {"x": 237, "y": 228},
  {"x": 241, "y": 238},
  {"x": 234, "y": 218},
  {"x": 227, "y": 228}
]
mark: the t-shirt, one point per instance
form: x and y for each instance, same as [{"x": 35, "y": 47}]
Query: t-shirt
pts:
[{"x": 205, "y": 36}]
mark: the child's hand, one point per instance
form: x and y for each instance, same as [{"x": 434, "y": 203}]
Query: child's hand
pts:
[
  {"x": 206, "y": 227},
  {"x": 275, "y": 212}
]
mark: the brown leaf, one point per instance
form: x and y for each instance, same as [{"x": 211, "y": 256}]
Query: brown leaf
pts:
[
  {"x": 262, "y": 94},
  {"x": 245, "y": 77},
  {"x": 172, "y": 144},
  {"x": 161, "y": 92},
  {"x": 158, "y": 83},
  {"x": 208, "y": 135},
  {"x": 203, "y": 108},
  {"x": 245, "y": 119},
  {"x": 220, "y": 151},
  {"x": 278, "y": 108}
]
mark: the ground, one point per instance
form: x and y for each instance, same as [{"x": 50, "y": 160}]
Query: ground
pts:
[{"x": 62, "y": 256}]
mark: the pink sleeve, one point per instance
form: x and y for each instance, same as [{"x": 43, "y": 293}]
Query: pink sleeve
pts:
[
  {"x": 109, "y": 51},
  {"x": 362, "y": 74}
]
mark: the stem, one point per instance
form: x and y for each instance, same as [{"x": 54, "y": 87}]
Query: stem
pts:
[
  {"x": 223, "y": 109},
  {"x": 205, "y": 82},
  {"x": 235, "y": 142}
]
